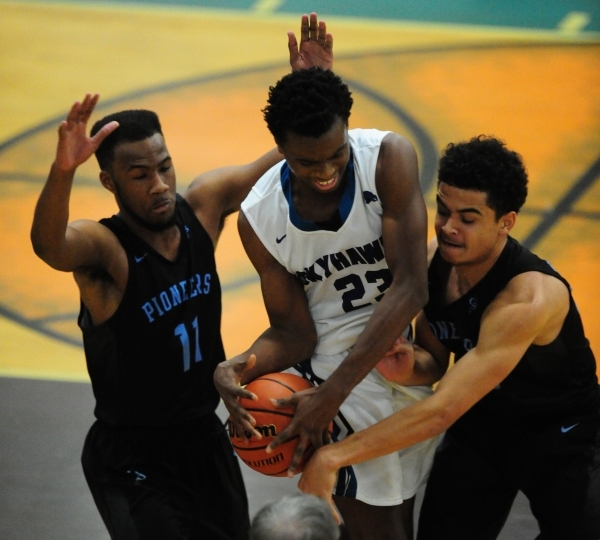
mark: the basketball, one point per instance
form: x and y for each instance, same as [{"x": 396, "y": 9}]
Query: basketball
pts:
[{"x": 270, "y": 421}]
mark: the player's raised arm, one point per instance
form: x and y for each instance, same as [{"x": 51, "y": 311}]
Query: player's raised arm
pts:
[
  {"x": 62, "y": 245},
  {"x": 316, "y": 45}
]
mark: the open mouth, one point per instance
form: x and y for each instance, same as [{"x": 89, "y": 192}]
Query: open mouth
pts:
[{"x": 326, "y": 184}]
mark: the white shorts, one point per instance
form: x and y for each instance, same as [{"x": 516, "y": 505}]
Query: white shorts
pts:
[{"x": 390, "y": 479}]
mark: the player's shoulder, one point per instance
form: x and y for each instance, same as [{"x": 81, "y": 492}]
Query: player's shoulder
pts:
[
  {"x": 267, "y": 188},
  {"x": 363, "y": 138},
  {"x": 535, "y": 291},
  {"x": 98, "y": 232}
]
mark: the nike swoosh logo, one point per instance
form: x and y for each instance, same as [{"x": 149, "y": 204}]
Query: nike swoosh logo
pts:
[
  {"x": 138, "y": 259},
  {"x": 279, "y": 240},
  {"x": 565, "y": 429}
]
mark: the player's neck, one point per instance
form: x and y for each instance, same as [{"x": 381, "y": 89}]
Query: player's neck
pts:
[
  {"x": 463, "y": 277},
  {"x": 314, "y": 206},
  {"x": 165, "y": 242}
]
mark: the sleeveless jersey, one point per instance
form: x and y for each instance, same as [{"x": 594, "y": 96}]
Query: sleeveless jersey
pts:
[
  {"x": 344, "y": 272},
  {"x": 558, "y": 378},
  {"x": 152, "y": 362}
]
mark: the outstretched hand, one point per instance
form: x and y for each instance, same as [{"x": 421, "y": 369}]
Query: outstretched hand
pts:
[
  {"x": 316, "y": 45},
  {"x": 227, "y": 377},
  {"x": 74, "y": 146}
]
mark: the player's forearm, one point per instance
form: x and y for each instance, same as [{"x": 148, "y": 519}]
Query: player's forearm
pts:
[
  {"x": 389, "y": 319},
  {"x": 404, "y": 428},
  {"x": 277, "y": 350},
  {"x": 51, "y": 215}
]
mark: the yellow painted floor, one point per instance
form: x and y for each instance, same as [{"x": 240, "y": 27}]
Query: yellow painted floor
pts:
[{"x": 206, "y": 73}]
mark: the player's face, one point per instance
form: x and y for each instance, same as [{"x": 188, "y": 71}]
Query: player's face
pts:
[
  {"x": 467, "y": 230},
  {"x": 318, "y": 163},
  {"x": 144, "y": 182}
]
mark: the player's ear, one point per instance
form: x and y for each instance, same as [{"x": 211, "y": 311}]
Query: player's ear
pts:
[
  {"x": 507, "y": 222},
  {"x": 107, "y": 181}
]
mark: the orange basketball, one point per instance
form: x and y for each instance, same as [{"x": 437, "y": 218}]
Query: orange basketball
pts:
[{"x": 270, "y": 421}]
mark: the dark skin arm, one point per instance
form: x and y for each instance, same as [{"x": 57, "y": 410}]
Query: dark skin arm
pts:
[
  {"x": 290, "y": 338},
  {"x": 83, "y": 247},
  {"x": 216, "y": 194},
  {"x": 62, "y": 245}
]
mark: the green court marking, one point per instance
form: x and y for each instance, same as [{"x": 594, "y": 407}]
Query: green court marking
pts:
[{"x": 570, "y": 16}]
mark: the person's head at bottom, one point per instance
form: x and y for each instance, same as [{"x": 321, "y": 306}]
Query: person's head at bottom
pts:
[{"x": 295, "y": 517}]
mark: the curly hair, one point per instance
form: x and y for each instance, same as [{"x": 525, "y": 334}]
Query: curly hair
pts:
[
  {"x": 306, "y": 102},
  {"x": 485, "y": 164},
  {"x": 134, "y": 125}
]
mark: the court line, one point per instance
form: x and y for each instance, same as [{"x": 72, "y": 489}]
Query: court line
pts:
[
  {"x": 563, "y": 207},
  {"x": 424, "y": 141},
  {"x": 11, "y": 315},
  {"x": 428, "y": 152}
]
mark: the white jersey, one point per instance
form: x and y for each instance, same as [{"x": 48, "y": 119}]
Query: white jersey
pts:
[
  {"x": 344, "y": 272},
  {"x": 345, "y": 275}
]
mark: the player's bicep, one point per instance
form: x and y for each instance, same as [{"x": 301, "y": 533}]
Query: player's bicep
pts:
[
  {"x": 221, "y": 191},
  {"x": 508, "y": 328},
  {"x": 283, "y": 294},
  {"x": 521, "y": 313},
  {"x": 85, "y": 244},
  {"x": 404, "y": 218}
]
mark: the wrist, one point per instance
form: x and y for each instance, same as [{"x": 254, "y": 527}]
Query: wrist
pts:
[
  {"x": 336, "y": 391},
  {"x": 61, "y": 171},
  {"x": 331, "y": 456}
]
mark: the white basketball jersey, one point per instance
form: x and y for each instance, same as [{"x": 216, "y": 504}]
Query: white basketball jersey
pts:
[{"x": 344, "y": 272}]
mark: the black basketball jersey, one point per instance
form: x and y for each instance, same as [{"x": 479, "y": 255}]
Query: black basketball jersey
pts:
[
  {"x": 556, "y": 378},
  {"x": 152, "y": 362}
]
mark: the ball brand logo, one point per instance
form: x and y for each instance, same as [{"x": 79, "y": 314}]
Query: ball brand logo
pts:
[
  {"x": 257, "y": 464},
  {"x": 266, "y": 431}
]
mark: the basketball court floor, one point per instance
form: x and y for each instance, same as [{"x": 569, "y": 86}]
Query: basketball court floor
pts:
[{"x": 528, "y": 73}]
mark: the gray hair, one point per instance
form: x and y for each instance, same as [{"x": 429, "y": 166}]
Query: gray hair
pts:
[{"x": 295, "y": 517}]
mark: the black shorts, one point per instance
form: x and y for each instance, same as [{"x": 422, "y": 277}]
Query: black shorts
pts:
[
  {"x": 174, "y": 484},
  {"x": 480, "y": 466}
]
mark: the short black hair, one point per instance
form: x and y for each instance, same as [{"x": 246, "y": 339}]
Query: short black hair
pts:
[
  {"x": 306, "y": 102},
  {"x": 134, "y": 125},
  {"x": 485, "y": 164}
]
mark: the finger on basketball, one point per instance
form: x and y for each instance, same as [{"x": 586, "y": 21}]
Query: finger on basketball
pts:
[
  {"x": 283, "y": 436},
  {"x": 299, "y": 456},
  {"x": 243, "y": 428},
  {"x": 284, "y": 403},
  {"x": 271, "y": 422}
]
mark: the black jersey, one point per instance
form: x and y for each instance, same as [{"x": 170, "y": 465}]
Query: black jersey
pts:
[
  {"x": 556, "y": 378},
  {"x": 152, "y": 362}
]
